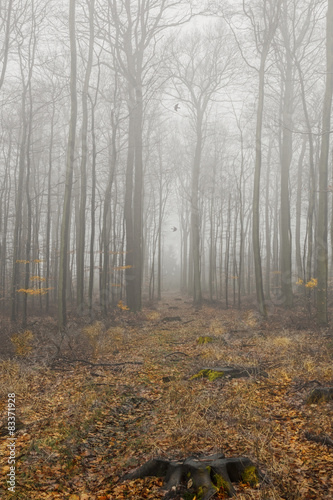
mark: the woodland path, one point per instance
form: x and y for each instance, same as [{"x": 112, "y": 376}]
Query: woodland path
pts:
[{"x": 131, "y": 398}]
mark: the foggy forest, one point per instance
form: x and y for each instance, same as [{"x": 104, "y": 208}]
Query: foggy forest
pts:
[{"x": 166, "y": 249}]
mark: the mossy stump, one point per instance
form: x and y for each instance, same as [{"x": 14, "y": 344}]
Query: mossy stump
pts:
[
  {"x": 199, "y": 477},
  {"x": 320, "y": 395},
  {"x": 228, "y": 372}
]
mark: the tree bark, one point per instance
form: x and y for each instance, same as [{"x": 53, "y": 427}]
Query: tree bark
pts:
[
  {"x": 83, "y": 168},
  {"x": 65, "y": 225},
  {"x": 321, "y": 241}
]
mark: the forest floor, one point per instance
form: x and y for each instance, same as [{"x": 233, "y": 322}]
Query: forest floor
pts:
[{"x": 120, "y": 392}]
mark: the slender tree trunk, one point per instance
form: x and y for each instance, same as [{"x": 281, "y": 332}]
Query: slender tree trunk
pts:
[
  {"x": 65, "y": 225},
  {"x": 29, "y": 220},
  {"x": 48, "y": 216},
  {"x": 138, "y": 202},
  {"x": 322, "y": 253},
  {"x": 299, "y": 211},
  {"x": 256, "y": 190},
  {"x": 195, "y": 218},
  {"x": 227, "y": 250},
  {"x": 268, "y": 229},
  {"x": 83, "y": 170},
  {"x": 128, "y": 207},
  {"x": 105, "y": 288},
  {"x": 285, "y": 159},
  {"x": 92, "y": 212},
  {"x": 18, "y": 210},
  {"x": 5, "y": 51}
]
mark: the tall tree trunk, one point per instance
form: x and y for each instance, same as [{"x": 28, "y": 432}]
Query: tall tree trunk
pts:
[
  {"x": 65, "y": 225},
  {"x": 268, "y": 229},
  {"x": 138, "y": 202},
  {"x": 18, "y": 209},
  {"x": 29, "y": 218},
  {"x": 285, "y": 160},
  {"x": 105, "y": 288},
  {"x": 128, "y": 207},
  {"x": 92, "y": 211},
  {"x": 322, "y": 253},
  {"x": 5, "y": 50},
  {"x": 256, "y": 190},
  {"x": 80, "y": 248},
  {"x": 195, "y": 218},
  {"x": 48, "y": 215},
  {"x": 227, "y": 251},
  {"x": 299, "y": 211}
]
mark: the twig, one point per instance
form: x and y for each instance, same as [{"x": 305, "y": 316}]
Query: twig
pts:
[
  {"x": 71, "y": 361},
  {"x": 298, "y": 388},
  {"x": 176, "y": 353}
]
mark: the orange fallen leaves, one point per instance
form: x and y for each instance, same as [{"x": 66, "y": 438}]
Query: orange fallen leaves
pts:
[{"x": 88, "y": 426}]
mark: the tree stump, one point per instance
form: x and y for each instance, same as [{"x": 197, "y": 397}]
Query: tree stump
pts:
[{"x": 203, "y": 476}]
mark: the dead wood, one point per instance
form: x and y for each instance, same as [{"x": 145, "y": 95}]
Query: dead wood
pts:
[
  {"x": 111, "y": 365},
  {"x": 176, "y": 353},
  {"x": 204, "y": 475},
  {"x": 171, "y": 318},
  {"x": 215, "y": 372},
  {"x": 322, "y": 439},
  {"x": 320, "y": 394}
]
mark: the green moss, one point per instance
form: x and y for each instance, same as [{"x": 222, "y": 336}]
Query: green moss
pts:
[
  {"x": 202, "y": 490},
  {"x": 220, "y": 483},
  {"x": 204, "y": 340},
  {"x": 207, "y": 373},
  {"x": 250, "y": 475}
]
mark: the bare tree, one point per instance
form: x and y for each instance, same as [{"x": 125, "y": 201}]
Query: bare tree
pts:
[
  {"x": 264, "y": 27},
  {"x": 322, "y": 251},
  {"x": 65, "y": 224},
  {"x": 202, "y": 68}
]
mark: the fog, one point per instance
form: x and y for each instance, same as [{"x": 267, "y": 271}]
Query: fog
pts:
[{"x": 159, "y": 146}]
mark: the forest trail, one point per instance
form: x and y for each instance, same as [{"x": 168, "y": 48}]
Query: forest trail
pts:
[{"x": 132, "y": 397}]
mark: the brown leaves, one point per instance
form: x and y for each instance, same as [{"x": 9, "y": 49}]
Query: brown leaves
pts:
[{"x": 86, "y": 429}]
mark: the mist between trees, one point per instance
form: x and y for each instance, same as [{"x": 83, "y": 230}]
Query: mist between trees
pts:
[{"x": 156, "y": 145}]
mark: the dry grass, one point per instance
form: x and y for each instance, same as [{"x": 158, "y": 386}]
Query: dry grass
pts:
[{"x": 262, "y": 418}]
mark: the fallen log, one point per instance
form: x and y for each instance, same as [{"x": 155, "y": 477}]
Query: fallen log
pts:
[{"x": 171, "y": 318}]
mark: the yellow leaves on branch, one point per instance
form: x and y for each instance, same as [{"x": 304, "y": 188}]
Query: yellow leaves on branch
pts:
[
  {"x": 36, "y": 261},
  {"x": 34, "y": 291},
  {"x": 120, "y": 268},
  {"x": 122, "y": 306},
  {"x": 37, "y": 278},
  {"x": 313, "y": 283}
]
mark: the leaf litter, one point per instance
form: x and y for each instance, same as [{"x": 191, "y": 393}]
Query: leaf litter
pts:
[{"x": 87, "y": 424}]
